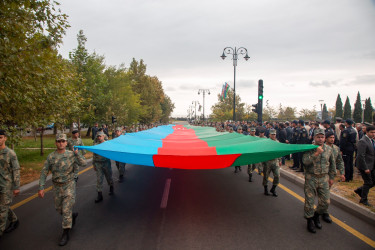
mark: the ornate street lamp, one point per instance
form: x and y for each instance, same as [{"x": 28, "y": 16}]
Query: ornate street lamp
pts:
[{"x": 204, "y": 91}]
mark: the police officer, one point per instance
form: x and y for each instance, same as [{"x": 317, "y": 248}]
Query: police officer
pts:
[
  {"x": 271, "y": 166},
  {"x": 251, "y": 167},
  {"x": 293, "y": 140},
  {"x": 75, "y": 141},
  {"x": 120, "y": 165},
  {"x": 347, "y": 147},
  {"x": 64, "y": 165},
  {"x": 329, "y": 129},
  {"x": 9, "y": 185},
  {"x": 320, "y": 171},
  {"x": 303, "y": 138},
  {"x": 102, "y": 166}
]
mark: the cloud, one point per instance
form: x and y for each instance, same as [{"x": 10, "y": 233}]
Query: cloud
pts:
[
  {"x": 363, "y": 80},
  {"x": 170, "y": 88},
  {"x": 327, "y": 84}
]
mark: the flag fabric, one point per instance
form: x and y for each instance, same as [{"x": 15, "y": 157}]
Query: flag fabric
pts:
[
  {"x": 226, "y": 88},
  {"x": 200, "y": 107},
  {"x": 192, "y": 147}
]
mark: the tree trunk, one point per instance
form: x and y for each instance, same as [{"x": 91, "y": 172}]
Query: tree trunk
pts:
[
  {"x": 41, "y": 142},
  {"x": 35, "y": 132},
  {"x": 79, "y": 126},
  {"x": 55, "y": 128},
  {"x": 71, "y": 127},
  {"x": 88, "y": 132}
]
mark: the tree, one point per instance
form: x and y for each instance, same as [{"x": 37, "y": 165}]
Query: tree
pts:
[
  {"x": 347, "y": 109},
  {"x": 308, "y": 114},
  {"x": 223, "y": 109},
  {"x": 368, "y": 112},
  {"x": 339, "y": 110},
  {"x": 357, "y": 113},
  {"x": 287, "y": 113},
  {"x": 325, "y": 112}
]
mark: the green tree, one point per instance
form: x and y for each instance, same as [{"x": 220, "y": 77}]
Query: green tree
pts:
[
  {"x": 325, "y": 112},
  {"x": 357, "y": 113},
  {"x": 308, "y": 114},
  {"x": 347, "y": 109},
  {"x": 368, "y": 112},
  {"x": 287, "y": 113},
  {"x": 338, "y": 106},
  {"x": 223, "y": 109}
]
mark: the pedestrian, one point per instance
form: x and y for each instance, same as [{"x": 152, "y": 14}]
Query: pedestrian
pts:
[
  {"x": 75, "y": 141},
  {"x": 102, "y": 167},
  {"x": 105, "y": 130},
  {"x": 64, "y": 166},
  {"x": 320, "y": 171},
  {"x": 271, "y": 166},
  {"x": 120, "y": 165},
  {"x": 9, "y": 185},
  {"x": 347, "y": 147},
  {"x": 366, "y": 163},
  {"x": 94, "y": 130}
]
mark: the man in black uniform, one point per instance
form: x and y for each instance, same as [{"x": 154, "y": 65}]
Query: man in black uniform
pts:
[
  {"x": 303, "y": 138},
  {"x": 347, "y": 147},
  {"x": 293, "y": 140}
]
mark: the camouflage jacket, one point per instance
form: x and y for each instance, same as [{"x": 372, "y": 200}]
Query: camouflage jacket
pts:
[
  {"x": 272, "y": 163},
  {"x": 75, "y": 142},
  {"x": 99, "y": 158},
  {"x": 9, "y": 171},
  {"x": 64, "y": 167},
  {"x": 338, "y": 159},
  {"x": 321, "y": 164}
]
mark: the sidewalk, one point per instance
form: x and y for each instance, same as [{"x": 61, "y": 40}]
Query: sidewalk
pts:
[{"x": 336, "y": 199}]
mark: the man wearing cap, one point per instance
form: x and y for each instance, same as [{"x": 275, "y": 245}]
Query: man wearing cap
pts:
[
  {"x": 271, "y": 166},
  {"x": 320, "y": 171},
  {"x": 251, "y": 167},
  {"x": 75, "y": 141},
  {"x": 9, "y": 185},
  {"x": 102, "y": 166},
  {"x": 347, "y": 147},
  {"x": 64, "y": 165},
  {"x": 329, "y": 129},
  {"x": 330, "y": 141},
  {"x": 120, "y": 165}
]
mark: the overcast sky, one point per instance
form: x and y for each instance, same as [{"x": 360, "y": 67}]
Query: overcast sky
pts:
[{"x": 304, "y": 50}]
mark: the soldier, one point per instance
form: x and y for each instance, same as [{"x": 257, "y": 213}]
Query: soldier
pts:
[
  {"x": 330, "y": 141},
  {"x": 75, "y": 141},
  {"x": 64, "y": 165},
  {"x": 347, "y": 147},
  {"x": 9, "y": 183},
  {"x": 259, "y": 165},
  {"x": 251, "y": 167},
  {"x": 103, "y": 167},
  {"x": 293, "y": 140},
  {"x": 120, "y": 165},
  {"x": 320, "y": 171},
  {"x": 303, "y": 138},
  {"x": 271, "y": 166}
]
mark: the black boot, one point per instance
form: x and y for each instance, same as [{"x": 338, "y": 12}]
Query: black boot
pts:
[
  {"x": 358, "y": 191},
  {"x": 310, "y": 225},
  {"x": 99, "y": 198},
  {"x": 121, "y": 178},
  {"x": 273, "y": 191},
  {"x": 74, "y": 219},
  {"x": 317, "y": 221},
  {"x": 64, "y": 237},
  {"x": 111, "y": 190},
  {"x": 326, "y": 218},
  {"x": 235, "y": 169},
  {"x": 12, "y": 226},
  {"x": 250, "y": 176},
  {"x": 266, "y": 190}
]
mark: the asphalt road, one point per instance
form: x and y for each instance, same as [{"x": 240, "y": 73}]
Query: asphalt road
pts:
[{"x": 204, "y": 209}]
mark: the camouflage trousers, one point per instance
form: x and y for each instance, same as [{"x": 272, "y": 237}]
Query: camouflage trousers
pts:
[
  {"x": 103, "y": 168},
  {"x": 250, "y": 168},
  {"x": 6, "y": 213},
  {"x": 276, "y": 174},
  {"x": 259, "y": 166},
  {"x": 316, "y": 185},
  {"x": 65, "y": 197},
  {"x": 121, "y": 167}
]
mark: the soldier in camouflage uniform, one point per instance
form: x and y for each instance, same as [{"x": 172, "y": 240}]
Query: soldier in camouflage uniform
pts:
[
  {"x": 330, "y": 141},
  {"x": 271, "y": 166},
  {"x": 120, "y": 165},
  {"x": 259, "y": 165},
  {"x": 103, "y": 167},
  {"x": 75, "y": 141},
  {"x": 9, "y": 185},
  {"x": 63, "y": 164},
  {"x": 251, "y": 167},
  {"x": 320, "y": 170}
]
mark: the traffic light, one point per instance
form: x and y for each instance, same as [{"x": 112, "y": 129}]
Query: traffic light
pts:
[
  {"x": 114, "y": 120},
  {"x": 260, "y": 90},
  {"x": 255, "y": 109}
]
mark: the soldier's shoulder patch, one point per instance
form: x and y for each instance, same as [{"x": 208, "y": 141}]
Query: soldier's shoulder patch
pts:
[{"x": 344, "y": 135}]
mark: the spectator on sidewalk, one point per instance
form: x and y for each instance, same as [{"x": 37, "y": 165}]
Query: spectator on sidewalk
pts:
[
  {"x": 94, "y": 130},
  {"x": 347, "y": 147},
  {"x": 365, "y": 163}
]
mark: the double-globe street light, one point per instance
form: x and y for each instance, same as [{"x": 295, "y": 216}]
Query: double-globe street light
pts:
[
  {"x": 235, "y": 52},
  {"x": 195, "y": 103},
  {"x": 204, "y": 91}
]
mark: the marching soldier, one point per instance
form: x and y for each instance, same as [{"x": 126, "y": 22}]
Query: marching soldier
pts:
[
  {"x": 9, "y": 185},
  {"x": 63, "y": 164},
  {"x": 330, "y": 141},
  {"x": 303, "y": 138},
  {"x": 120, "y": 165},
  {"x": 320, "y": 171},
  {"x": 251, "y": 167},
  {"x": 103, "y": 167},
  {"x": 271, "y": 166},
  {"x": 75, "y": 141}
]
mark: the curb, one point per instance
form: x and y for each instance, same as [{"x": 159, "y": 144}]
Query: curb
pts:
[
  {"x": 36, "y": 182},
  {"x": 345, "y": 204}
]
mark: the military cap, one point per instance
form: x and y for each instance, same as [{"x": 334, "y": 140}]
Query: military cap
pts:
[
  {"x": 365, "y": 123},
  {"x": 301, "y": 122},
  {"x": 295, "y": 121},
  {"x": 239, "y": 127},
  {"x": 327, "y": 122},
  {"x": 319, "y": 131},
  {"x": 100, "y": 133},
  {"x": 253, "y": 129},
  {"x": 2, "y": 132},
  {"x": 61, "y": 137},
  {"x": 349, "y": 121},
  {"x": 262, "y": 130},
  {"x": 338, "y": 119},
  {"x": 272, "y": 132},
  {"x": 74, "y": 132},
  {"x": 329, "y": 133},
  {"x": 118, "y": 129}
]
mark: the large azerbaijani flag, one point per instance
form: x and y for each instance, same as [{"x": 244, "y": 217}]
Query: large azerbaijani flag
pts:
[{"x": 192, "y": 147}]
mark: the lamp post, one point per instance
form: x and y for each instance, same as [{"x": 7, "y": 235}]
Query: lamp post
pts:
[
  {"x": 235, "y": 52},
  {"x": 363, "y": 110},
  {"x": 321, "y": 108},
  {"x": 204, "y": 91},
  {"x": 195, "y": 104}
]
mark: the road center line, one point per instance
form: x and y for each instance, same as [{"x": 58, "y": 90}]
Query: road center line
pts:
[{"x": 164, "y": 199}]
